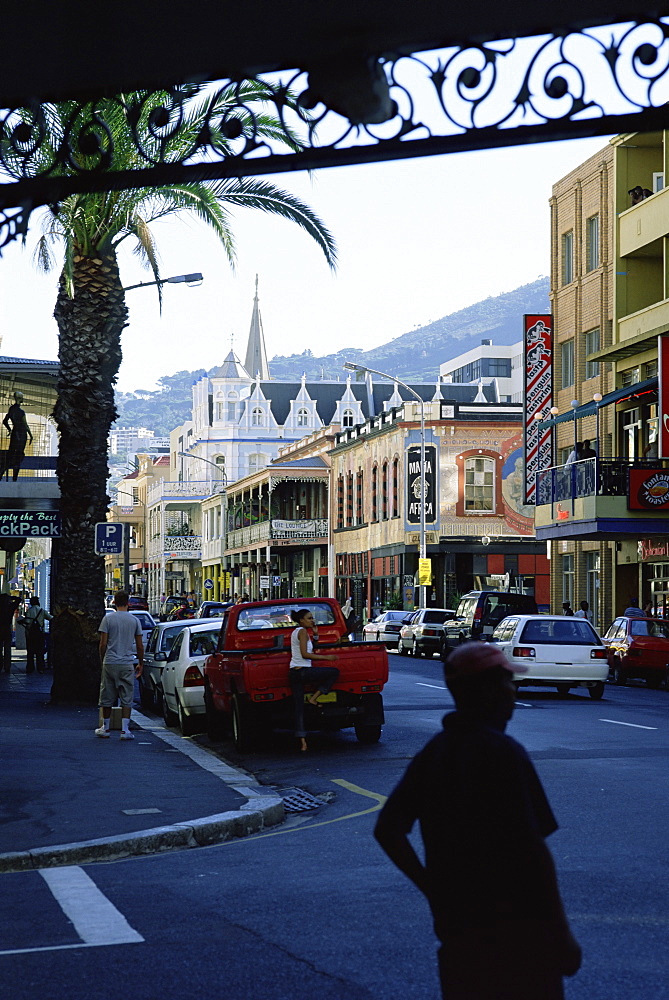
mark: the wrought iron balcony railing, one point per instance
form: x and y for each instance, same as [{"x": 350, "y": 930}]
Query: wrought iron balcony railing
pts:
[{"x": 602, "y": 477}]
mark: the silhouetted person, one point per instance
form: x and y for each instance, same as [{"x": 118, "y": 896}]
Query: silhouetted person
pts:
[
  {"x": 583, "y": 611},
  {"x": 587, "y": 451},
  {"x": 638, "y": 194},
  {"x": 8, "y": 606},
  {"x": 19, "y": 433},
  {"x": 488, "y": 876},
  {"x": 567, "y": 608},
  {"x": 633, "y": 610},
  {"x": 34, "y": 621}
]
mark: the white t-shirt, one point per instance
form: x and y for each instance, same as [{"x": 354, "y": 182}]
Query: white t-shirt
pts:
[
  {"x": 121, "y": 629},
  {"x": 583, "y": 614},
  {"x": 296, "y": 658}
]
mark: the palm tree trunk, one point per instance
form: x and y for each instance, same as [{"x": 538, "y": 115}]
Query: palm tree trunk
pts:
[{"x": 90, "y": 324}]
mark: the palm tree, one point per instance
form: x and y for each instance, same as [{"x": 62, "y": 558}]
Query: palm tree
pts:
[{"x": 90, "y": 309}]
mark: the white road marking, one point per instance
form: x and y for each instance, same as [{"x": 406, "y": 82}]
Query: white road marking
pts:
[
  {"x": 438, "y": 687},
  {"x": 96, "y": 920},
  {"x": 632, "y": 724}
]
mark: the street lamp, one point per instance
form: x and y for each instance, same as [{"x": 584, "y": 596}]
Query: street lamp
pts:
[
  {"x": 597, "y": 398},
  {"x": 554, "y": 413},
  {"x": 192, "y": 280},
  {"x": 198, "y": 458},
  {"x": 352, "y": 367}
]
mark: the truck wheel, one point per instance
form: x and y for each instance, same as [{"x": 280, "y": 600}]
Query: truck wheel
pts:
[
  {"x": 654, "y": 680},
  {"x": 368, "y": 734},
  {"x": 188, "y": 724},
  {"x": 243, "y": 729},
  {"x": 217, "y": 727}
]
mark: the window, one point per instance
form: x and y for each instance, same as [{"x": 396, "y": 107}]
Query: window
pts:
[
  {"x": 347, "y": 420},
  {"x": 568, "y": 578},
  {"x": 568, "y": 257},
  {"x": 658, "y": 181},
  {"x": 359, "y": 491},
  {"x": 219, "y": 411},
  {"x": 384, "y": 492},
  {"x": 394, "y": 510},
  {"x": 340, "y": 502},
  {"x": 232, "y": 411},
  {"x": 375, "y": 493},
  {"x": 592, "y": 344},
  {"x": 257, "y": 416},
  {"x": 499, "y": 367},
  {"x": 630, "y": 377},
  {"x": 567, "y": 364},
  {"x": 592, "y": 243},
  {"x": 302, "y": 418},
  {"x": 349, "y": 499},
  {"x": 479, "y": 484},
  {"x": 256, "y": 462}
]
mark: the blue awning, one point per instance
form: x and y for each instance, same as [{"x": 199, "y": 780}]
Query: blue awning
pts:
[{"x": 588, "y": 409}]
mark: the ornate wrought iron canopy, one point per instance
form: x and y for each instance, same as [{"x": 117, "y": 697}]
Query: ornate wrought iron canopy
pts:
[{"x": 593, "y": 81}]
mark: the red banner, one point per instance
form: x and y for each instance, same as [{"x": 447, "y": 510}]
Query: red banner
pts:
[
  {"x": 538, "y": 356},
  {"x": 663, "y": 395}
]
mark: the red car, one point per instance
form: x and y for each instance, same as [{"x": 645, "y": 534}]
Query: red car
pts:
[{"x": 638, "y": 647}]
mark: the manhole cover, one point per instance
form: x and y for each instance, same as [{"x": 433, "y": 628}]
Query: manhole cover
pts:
[{"x": 295, "y": 800}]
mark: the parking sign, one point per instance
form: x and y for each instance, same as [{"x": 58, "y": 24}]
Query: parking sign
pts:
[{"x": 108, "y": 538}]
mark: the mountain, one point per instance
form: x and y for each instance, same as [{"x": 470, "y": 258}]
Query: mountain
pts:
[{"x": 413, "y": 356}]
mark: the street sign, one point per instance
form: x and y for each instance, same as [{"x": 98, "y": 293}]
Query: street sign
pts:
[
  {"x": 208, "y": 584},
  {"x": 264, "y": 583},
  {"x": 108, "y": 538},
  {"x": 277, "y": 581}
]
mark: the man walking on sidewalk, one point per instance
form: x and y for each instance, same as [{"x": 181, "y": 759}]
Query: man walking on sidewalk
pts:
[{"x": 119, "y": 632}]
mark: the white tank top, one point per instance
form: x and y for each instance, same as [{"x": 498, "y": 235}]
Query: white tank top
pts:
[{"x": 296, "y": 658}]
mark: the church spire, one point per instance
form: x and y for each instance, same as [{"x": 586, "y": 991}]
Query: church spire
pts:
[{"x": 256, "y": 355}]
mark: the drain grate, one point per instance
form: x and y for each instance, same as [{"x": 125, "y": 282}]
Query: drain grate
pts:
[{"x": 295, "y": 800}]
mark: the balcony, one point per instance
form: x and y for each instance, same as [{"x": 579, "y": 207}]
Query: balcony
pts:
[
  {"x": 603, "y": 499},
  {"x": 166, "y": 491},
  {"x": 644, "y": 224},
  {"x": 175, "y": 547},
  {"x": 279, "y": 531}
]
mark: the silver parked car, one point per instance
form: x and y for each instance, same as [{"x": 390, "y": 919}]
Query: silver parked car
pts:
[
  {"x": 423, "y": 634},
  {"x": 384, "y": 628},
  {"x": 156, "y": 651}
]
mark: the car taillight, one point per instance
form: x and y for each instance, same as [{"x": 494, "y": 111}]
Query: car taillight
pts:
[
  {"x": 597, "y": 654},
  {"x": 430, "y": 631},
  {"x": 523, "y": 651},
  {"x": 193, "y": 677},
  {"x": 478, "y": 614}
]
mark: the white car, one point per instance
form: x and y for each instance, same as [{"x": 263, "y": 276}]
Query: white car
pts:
[
  {"x": 560, "y": 651},
  {"x": 384, "y": 628},
  {"x": 182, "y": 677},
  {"x": 147, "y": 622}
]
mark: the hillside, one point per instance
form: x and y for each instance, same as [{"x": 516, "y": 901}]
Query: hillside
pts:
[{"x": 413, "y": 356}]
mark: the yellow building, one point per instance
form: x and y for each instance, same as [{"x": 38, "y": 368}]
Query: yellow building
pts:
[{"x": 610, "y": 295}]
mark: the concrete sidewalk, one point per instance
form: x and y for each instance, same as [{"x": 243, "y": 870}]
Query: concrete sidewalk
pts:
[{"x": 68, "y": 797}]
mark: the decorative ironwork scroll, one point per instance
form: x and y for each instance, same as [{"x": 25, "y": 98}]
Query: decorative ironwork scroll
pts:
[{"x": 592, "y": 82}]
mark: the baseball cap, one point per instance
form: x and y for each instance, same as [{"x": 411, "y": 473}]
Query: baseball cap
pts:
[{"x": 473, "y": 658}]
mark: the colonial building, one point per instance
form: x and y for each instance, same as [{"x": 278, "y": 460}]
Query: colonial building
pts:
[
  {"x": 479, "y": 534},
  {"x": 610, "y": 224}
]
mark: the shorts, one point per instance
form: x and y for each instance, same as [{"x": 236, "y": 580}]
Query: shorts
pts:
[{"x": 118, "y": 684}]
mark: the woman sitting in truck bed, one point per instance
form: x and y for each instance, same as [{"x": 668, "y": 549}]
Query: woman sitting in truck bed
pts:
[{"x": 301, "y": 670}]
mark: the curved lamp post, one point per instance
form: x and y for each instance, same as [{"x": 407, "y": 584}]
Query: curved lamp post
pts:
[
  {"x": 352, "y": 367},
  {"x": 192, "y": 280}
]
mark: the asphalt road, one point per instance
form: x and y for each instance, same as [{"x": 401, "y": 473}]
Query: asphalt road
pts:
[{"x": 313, "y": 909}]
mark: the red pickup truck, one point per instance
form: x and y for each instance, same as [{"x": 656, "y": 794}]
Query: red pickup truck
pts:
[{"x": 247, "y": 685}]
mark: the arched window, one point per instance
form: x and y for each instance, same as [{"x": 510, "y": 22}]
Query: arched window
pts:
[
  {"x": 479, "y": 484},
  {"x": 375, "y": 493},
  {"x": 384, "y": 492},
  {"x": 347, "y": 420},
  {"x": 257, "y": 416},
  {"x": 340, "y": 502},
  {"x": 302, "y": 418},
  {"x": 359, "y": 492},
  {"x": 349, "y": 499}
]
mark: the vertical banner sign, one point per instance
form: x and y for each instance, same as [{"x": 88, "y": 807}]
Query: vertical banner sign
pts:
[
  {"x": 538, "y": 356},
  {"x": 421, "y": 483},
  {"x": 663, "y": 395}
]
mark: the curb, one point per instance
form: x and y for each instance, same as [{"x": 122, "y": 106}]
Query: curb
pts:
[
  {"x": 262, "y": 809},
  {"x": 254, "y": 815}
]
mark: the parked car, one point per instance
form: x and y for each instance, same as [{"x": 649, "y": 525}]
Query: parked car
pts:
[
  {"x": 136, "y": 603},
  {"x": 183, "y": 676},
  {"x": 156, "y": 651},
  {"x": 562, "y": 652},
  {"x": 421, "y": 635},
  {"x": 638, "y": 647},
  {"x": 384, "y": 628},
  {"x": 213, "y": 609},
  {"x": 478, "y": 614},
  {"x": 147, "y": 621}
]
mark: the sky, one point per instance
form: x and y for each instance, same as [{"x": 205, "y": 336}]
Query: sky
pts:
[{"x": 417, "y": 240}]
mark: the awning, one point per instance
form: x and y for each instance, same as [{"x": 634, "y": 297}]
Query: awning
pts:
[{"x": 588, "y": 409}]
